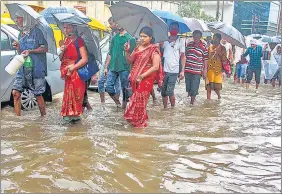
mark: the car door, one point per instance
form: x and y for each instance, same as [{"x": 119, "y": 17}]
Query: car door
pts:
[
  {"x": 53, "y": 74},
  {"x": 7, "y": 54}
]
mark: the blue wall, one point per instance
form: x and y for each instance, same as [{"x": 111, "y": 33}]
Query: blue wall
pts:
[{"x": 245, "y": 11}]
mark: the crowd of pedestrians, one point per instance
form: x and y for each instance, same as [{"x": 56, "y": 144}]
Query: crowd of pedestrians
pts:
[{"x": 133, "y": 66}]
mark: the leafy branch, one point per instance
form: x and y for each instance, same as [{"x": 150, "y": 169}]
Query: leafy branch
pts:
[{"x": 193, "y": 9}]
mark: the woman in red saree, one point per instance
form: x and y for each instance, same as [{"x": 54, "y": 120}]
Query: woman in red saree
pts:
[
  {"x": 145, "y": 70},
  {"x": 74, "y": 86}
]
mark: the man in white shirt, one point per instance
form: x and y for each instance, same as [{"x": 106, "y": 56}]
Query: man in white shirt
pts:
[
  {"x": 174, "y": 50},
  {"x": 229, "y": 53},
  {"x": 228, "y": 48}
]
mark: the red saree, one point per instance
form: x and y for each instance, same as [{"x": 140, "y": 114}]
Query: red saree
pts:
[
  {"x": 74, "y": 86},
  {"x": 136, "y": 113}
]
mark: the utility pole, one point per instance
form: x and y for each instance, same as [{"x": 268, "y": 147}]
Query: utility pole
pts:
[
  {"x": 253, "y": 23},
  {"x": 255, "y": 19},
  {"x": 217, "y": 10},
  {"x": 279, "y": 30},
  {"x": 222, "y": 11}
]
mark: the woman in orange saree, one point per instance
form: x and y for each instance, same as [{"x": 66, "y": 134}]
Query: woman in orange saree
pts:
[
  {"x": 145, "y": 70},
  {"x": 74, "y": 85}
]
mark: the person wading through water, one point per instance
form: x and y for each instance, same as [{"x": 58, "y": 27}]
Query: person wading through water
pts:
[
  {"x": 174, "y": 50},
  {"x": 102, "y": 78},
  {"x": 33, "y": 44},
  {"x": 116, "y": 66},
  {"x": 196, "y": 65}
]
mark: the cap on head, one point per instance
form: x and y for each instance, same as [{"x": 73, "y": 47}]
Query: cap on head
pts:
[{"x": 254, "y": 42}]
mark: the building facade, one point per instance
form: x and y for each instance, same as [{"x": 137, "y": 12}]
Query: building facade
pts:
[
  {"x": 254, "y": 17},
  {"x": 225, "y": 14},
  {"x": 99, "y": 9}
]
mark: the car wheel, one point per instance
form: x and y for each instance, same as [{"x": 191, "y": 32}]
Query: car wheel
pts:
[{"x": 28, "y": 100}]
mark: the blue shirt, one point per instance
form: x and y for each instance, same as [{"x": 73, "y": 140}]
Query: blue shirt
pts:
[
  {"x": 255, "y": 56},
  {"x": 32, "y": 41}
]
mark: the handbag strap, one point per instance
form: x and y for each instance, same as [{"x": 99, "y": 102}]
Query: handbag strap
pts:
[
  {"x": 77, "y": 50},
  {"x": 92, "y": 58}
]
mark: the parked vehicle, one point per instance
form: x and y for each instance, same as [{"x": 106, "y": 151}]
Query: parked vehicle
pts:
[{"x": 54, "y": 83}]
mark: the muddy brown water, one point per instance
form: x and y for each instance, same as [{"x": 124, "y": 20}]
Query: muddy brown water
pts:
[{"x": 231, "y": 145}]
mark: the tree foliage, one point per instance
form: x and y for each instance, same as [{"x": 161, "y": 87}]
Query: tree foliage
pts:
[{"x": 193, "y": 9}]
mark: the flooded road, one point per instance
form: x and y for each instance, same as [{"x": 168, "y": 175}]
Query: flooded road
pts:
[{"x": 231, "y": 145}]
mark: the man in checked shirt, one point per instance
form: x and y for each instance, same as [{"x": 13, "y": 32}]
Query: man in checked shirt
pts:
[{"x": 254, "y": 67}]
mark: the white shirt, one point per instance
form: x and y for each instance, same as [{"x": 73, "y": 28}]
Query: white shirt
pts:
[
  {"x": 237, "y": 55},
  {"x": 172, "y": 53},
  {"x": 227, "y": 46}
]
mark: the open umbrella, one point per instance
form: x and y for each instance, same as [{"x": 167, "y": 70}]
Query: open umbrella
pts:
[
  {"x": 134, "y": 17},
  {"x": 37, "y": 20},
  {"x": 169, "y": 17},
  {"x": 255, "y": 36},
  {"x": 47, "y": 13},
  {"x": 265, "y": 38},
  {"x": 196, "y": 24},
  {"x": 84, "y": 31},
  {"x": 229, "y": 33},
  {"x": 276, "y": 39}
]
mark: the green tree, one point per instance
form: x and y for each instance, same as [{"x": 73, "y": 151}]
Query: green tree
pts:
[{"x": 193, "y": 9}]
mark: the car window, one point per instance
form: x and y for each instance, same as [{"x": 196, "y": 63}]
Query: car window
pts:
[
  {"x": 12, "y": 30},
  {"x": 5, "y": 41}
]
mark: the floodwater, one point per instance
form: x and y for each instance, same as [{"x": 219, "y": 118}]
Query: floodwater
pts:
[{"x": 231, "y": 145}]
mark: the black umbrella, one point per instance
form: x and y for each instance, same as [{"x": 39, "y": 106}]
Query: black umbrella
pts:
[{"x": 229, "y": 33}]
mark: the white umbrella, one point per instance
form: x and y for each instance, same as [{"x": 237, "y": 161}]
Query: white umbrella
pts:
[
  {"x": 36, "y": 20},
  {"x": 229, "y": 33},
  {"x": 196, "y": 24},
  {"x": 275, "y": 39}
]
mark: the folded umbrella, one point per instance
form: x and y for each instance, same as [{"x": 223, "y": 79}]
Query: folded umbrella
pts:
[
  {"x": 169, "y": 17},
  {"x": 36, "y": 21},
  {"x": 133, "y": 18},
  {"x": 84, "y": 31},
  {"x": 229, "y": 33}
]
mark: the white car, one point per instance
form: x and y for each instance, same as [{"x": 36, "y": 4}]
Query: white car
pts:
[{"x": 54, "y": 83}]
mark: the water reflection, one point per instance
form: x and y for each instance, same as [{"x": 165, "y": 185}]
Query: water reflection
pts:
[{"x": 231, "y": 145}]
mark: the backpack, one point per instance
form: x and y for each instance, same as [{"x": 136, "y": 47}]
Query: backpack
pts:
[{"x": 88, "y": 70}]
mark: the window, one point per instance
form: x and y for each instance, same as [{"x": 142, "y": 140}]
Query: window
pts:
[{"x": 5, "y": 41}]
